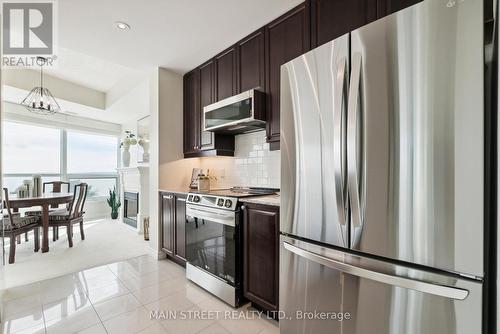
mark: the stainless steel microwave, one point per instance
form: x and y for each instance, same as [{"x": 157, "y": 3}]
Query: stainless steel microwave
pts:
[{"x": 241, "y": 113}]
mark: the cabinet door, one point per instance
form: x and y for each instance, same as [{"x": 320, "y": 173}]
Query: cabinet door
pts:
[
  {"x": 180, "y": 227},
  {"x": 207, "y": 96},
  {"x": 386, "y": 7},
  {"x": 225, "y": 74},
  {"x": 332, "y": 19},
  {"x": 287, "y": 38},
  {"x": 167, "y": 223},
  {"x": 261, "y": 255},
  {"x": 251, "y": 62},
  {"x": 191, "y": 111}
]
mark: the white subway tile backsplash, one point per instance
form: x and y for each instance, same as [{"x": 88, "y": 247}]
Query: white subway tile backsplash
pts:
[{"x": 253, "y": 164}]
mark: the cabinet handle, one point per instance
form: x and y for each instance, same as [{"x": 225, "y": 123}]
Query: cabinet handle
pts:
[
  {"x": 168, "y": 197},
  {"x": 243, "y": 207}
]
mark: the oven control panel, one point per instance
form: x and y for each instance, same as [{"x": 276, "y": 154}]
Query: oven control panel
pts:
[{"x": 227, "y": 203}]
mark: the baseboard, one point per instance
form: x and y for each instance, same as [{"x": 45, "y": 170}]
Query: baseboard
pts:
[
  {"x": 2, "y": 292},
  {"x": 158, "y": 255}
]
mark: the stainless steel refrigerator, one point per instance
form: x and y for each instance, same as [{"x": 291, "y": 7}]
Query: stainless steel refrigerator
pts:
[{"x": 382, "y": 177}]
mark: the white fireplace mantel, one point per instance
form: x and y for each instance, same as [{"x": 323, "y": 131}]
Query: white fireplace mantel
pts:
[{"x": 135, "y": 179}]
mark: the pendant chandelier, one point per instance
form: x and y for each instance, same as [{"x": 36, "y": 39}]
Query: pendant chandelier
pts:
[{"x": 40, "y": 100}]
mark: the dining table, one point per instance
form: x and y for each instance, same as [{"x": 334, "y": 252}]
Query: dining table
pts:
[{"x": 45, "y": 201}]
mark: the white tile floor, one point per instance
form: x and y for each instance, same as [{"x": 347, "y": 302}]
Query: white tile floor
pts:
[
  {"x": 106, "y": 241},
  {"x": 119, "y": 298}
]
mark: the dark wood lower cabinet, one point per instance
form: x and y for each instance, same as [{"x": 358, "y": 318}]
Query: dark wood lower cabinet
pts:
[
  {"x": 180, "y": 227},
  {"x": 173, "y": 226},
  {"x": 261, "y": 255}
]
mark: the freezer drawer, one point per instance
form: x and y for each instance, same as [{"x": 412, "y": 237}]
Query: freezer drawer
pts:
[
  {"x": 358, "y": 295},
  {"x": 415, "y": 136}
]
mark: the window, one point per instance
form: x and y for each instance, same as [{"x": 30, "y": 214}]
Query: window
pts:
[
  {"x": 29, "y": 149},
  {"x": 13, "y": 182},
  {"x": 97, "y": 187},
  {"x": 59, "y": 154},
  {"x": 91, "y": 153}
]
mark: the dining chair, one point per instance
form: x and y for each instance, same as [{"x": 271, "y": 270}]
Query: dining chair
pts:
[
  {"x": 50, "y": 187},
  {"x": 15, "y": 225},
  {"x": 72, "y": 215},
  {"x": 57, "y": 186}
]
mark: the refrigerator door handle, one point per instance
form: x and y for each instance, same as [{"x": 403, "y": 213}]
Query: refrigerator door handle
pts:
[
  {"x": 339, "y": 139},
  {"x": 354, "y": 157},
  {"x": 407, "y": 283}
]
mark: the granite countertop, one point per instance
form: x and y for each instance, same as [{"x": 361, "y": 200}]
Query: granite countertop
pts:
[{"x": 273, "y": 200}]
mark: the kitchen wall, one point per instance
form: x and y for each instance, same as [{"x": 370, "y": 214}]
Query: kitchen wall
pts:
[
  {"x": 253, "y": 164},
  {"x": 174, "y": 170}
]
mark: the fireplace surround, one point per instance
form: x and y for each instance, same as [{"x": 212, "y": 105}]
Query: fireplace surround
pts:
[
  {"x": 130, "y": 208},
  {"x": 134, "y": 195}
]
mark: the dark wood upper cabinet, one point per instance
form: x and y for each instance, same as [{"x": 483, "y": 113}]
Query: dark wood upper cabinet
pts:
[
  {"x": 286, "y": 38},
  {"x": 255, "y": 62},
  {"x": 225, "y": 74},
  {"x": 331, "y": 19},
  {"x": 199, "y": 91},
  {"x": 207, "y": 96},
  {"x": 386, "y": 7},
  {"x": 251, "y": 62},
  {"x": 191, "y": 111},
  {"x": 261, "y": 255}
]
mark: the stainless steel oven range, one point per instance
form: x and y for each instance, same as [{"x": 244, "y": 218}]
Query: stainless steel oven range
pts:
[
  {"x": 212, "y": 245},
  {"x": 214, "y": 241}
]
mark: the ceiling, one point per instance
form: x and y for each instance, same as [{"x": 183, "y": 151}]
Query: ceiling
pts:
[
  {"x": 92, "y": 72},
  {"x": 176, "y": 34}
]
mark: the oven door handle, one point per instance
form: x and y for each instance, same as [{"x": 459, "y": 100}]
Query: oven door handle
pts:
[{"x": 221, "y": 218}]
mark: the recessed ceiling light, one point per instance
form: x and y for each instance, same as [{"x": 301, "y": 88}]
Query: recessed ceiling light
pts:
[{"x": 122, "y": 25}]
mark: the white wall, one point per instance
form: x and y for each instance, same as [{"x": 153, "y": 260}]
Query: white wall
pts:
[
  {"x": 153, "y": 165},
  {"x": 16, "y": 112},
  {"x": 168, "y": 169},
  {"x": 134, "y": 105},
  {"x": 62, "y": 89}
]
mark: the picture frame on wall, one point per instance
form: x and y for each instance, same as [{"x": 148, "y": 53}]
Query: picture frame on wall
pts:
[{"x": 143, "y": 139}]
